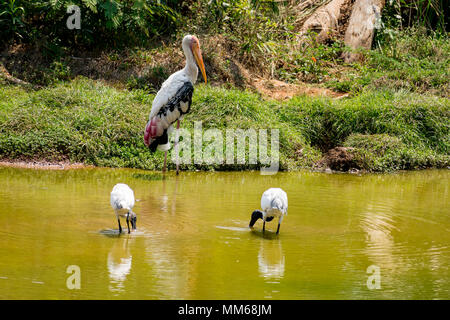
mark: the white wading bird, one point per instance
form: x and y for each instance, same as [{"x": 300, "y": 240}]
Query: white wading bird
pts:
[
  {"x": 274, "y": 203},
  {"x": 174, "y": 99},
  {"x": 122, "y": 201}
]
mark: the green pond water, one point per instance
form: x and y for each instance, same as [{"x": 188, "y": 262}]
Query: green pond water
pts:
[{"x": 193, "y": 241}]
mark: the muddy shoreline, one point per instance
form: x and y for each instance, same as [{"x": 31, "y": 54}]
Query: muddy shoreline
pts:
[{"x": 43, "y": 165}]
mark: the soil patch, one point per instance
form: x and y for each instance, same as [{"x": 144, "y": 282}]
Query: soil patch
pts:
[
  {"x": 339, "y": 159},
  {"x": 44, "y": 165},
  {"x": 279, "y": 90}
]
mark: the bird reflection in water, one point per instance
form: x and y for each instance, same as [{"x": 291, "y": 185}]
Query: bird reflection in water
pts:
[
  {"x": 119, "y": 264},
  {"x": 271, "y": 260}
]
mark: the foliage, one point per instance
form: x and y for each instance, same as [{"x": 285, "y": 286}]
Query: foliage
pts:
[
  {"x": 429, "y": 14},
  {"x": 150, "y": 81},
  {"x": 411, "y": 60},
  {"x": 399, "y": 130},
  {"x": 382, "y": 152},
  {"x": 11, "y": 19},
  {"x": 86, "y": 121},
  {"x": 104, "y": 22},
  {"x": 262, "y": 35}
]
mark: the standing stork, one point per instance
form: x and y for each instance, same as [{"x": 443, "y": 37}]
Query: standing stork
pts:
[
  {"x": 122, "y": 201},
  {"x": 174, "y": 100},
  {"x": 274, "y": 203}
]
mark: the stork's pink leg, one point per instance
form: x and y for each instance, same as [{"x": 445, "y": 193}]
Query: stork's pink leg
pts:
[
  {"x": 165, "y": 161},
  {"x": 176, "y": 143}
]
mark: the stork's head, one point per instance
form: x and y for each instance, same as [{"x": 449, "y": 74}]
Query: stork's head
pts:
[
  {"x": 257, "y": 214},
  {"x": 192, "y": 44}
]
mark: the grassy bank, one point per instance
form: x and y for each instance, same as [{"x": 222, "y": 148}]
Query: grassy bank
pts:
[{"x": 87, "y": 121}]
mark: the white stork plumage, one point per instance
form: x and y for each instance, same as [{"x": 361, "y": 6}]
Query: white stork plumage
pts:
[
  {"x": 174, "y": 99},
  {"x": 122, "y": 201},
  {"x": 274, "y": 203}
]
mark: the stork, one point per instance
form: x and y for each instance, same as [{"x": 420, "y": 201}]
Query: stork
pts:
[
  {"x": 174, "y": 100},
  {"x": 122, "y": 201},
  {"x": 274, "y": 203}
]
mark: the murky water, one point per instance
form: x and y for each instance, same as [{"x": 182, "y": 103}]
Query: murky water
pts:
[{"x": 193, "y": 242}]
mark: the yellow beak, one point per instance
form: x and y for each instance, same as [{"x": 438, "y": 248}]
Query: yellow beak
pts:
[{"x": 198, "y": 58}]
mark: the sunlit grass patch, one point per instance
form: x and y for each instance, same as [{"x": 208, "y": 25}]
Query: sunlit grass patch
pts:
[{"x": 90, "y": 122}]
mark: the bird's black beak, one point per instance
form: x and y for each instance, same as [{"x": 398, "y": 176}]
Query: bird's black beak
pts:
[
  {"x": 255, "y": 216},
  {"x": 133, "y": 223}
]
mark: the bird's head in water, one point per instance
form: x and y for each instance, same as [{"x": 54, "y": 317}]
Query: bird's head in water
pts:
[
  {"x": 257, "y": 214},
  {"x": 194, "y": 46},
  {"x": 133, "y": 220}
]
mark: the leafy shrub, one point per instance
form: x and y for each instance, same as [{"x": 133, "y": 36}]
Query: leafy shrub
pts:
[
  {"x": 430, "y": 14},
  {"x": 150, "y": 81},
  {"x": 11, "y": 19},
  {"x": 110, "y": 23}
]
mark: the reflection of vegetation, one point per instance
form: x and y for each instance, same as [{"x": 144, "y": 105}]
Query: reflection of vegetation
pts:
[
  {"x": 148, "y": 177},
  {"x": 93, "y": 123}
]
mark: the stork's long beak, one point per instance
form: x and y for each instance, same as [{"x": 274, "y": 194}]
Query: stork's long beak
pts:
[{"x": 198, "y": 58}]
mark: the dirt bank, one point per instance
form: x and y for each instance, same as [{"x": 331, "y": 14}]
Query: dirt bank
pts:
[{"x": 44, "y": 165}]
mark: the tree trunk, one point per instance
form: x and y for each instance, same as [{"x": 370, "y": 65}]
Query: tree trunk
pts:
[
  {"x": 365, "y": 18},
  {"x": 324, "y": 21},
  {"x": 354, "y": 21}
]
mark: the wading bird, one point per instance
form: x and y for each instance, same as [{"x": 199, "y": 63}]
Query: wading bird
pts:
[
  {"x": 174, "y": 100},
  {"x": 274, "y": 203},
  {"x": 122, "y": 201}
]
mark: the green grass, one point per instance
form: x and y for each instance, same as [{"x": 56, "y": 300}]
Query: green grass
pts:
[
  {"x": 87, "y": 121},
  {"x": 409, "y": 60}
]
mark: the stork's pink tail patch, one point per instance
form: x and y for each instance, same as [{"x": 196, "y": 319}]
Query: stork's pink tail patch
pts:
[{"x": 150, "y": 131}]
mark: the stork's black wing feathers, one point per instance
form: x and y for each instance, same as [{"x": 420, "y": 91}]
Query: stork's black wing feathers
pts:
[{"x": 183, "y": 95}]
